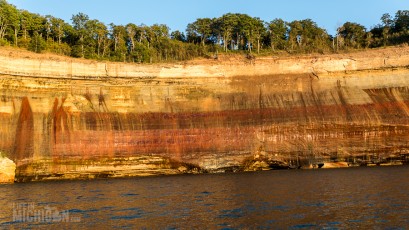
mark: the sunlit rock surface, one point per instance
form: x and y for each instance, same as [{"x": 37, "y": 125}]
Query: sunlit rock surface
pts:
[
  {"x": 7, "y": 170},
  {"x": 69, "y": 119}
]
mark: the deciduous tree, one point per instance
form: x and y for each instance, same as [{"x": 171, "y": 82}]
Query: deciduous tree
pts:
[{"x": 79, "y": 21}]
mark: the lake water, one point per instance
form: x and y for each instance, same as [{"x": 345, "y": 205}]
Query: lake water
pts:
[{"x": 325, "y": 199}]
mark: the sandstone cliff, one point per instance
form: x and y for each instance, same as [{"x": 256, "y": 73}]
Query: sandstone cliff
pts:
[
  {"x": 70, "y": 118},
  {"x": 7, "y": 170}
]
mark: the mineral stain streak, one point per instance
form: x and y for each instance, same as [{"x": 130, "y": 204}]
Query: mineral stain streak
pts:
[
  {"x": 24, "y": 140},
  {"x": 214, "y": 116}
]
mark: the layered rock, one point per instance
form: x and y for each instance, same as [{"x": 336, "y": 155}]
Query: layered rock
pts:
[
  {"x": 7, "y": 170},
  {"x": 79, "y": 119}
]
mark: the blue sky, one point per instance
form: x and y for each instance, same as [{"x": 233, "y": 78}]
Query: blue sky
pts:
[{"x": 328, "y": 14}]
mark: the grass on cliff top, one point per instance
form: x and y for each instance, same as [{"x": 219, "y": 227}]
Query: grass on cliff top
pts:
[{"x": 230, "y": 56}]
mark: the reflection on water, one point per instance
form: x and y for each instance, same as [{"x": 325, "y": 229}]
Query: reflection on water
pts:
[{"x": 336, "y": 198}]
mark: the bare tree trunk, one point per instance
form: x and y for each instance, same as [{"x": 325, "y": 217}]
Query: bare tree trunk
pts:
[
  {"x": 225, "y": 44},
  {"x": 132, "y": 44},
  {"x": 103, "y": 48},
  {"x": 82, "y": 46},
  {"x": 2, "y": 30},
  {"x": 115, "y": 43},
  {"x": 272, "y": 44},
  {"x": 249, "y": 44},
  {"x": 15, "y": 37},
  {"x": 258, "y": 45},
  {"x": 59, "y": 35},
  {"x": 99, "y": 47}
]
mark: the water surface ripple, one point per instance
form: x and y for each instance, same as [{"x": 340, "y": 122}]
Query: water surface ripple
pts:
[{"x": 323, "y": 199}]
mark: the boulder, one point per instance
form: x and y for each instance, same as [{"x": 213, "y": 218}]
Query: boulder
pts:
[{"x": 7, "y": 170}]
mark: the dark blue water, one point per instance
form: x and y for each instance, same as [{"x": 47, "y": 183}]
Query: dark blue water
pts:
[{"x": 300, "y": 199}]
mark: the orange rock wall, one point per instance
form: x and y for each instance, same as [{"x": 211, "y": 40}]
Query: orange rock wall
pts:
[{"x": 213, "y": 116}]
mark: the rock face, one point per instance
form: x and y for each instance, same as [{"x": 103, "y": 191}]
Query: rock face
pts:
[
  {"x": 7, "y": 170},
  {"x": 67, "y": 119}
]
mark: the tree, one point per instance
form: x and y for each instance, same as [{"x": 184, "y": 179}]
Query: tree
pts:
[
  {"x": 402, "y": 20},
  {"x": 96, "y": 34},
  {"x": 79, "y": 21},
  {"x": 118, "y": 35},
  {"x": 295, "y": 33},
  {"x": 161, "y": 43},
  {"x": 37, "y": 43},
  {"x": 178, "y": 36},
  {"x": 37, "y": 24},
  {"x": 387, "y": 23},
  {"x": 57, "y": 28},
  {"x": 278, "y": 33},
  {"x": 225, "y": 26},
  {"x": 9, "y": 17},
  {"x": 101, "y": 33},
  {"x": 238, "y": 30},
  {"x": 308, "y": 36},
  {"x": 202, "y": 28},
  {"x": 4, "y": 22},
  {"x": 25, "y": 21},
  {"x": 131, "y": 30},
  {"x": 387, "y": 20},
  {"x": 47, "y": 26},
  {"x": 14, "y": 20},
  {"x": 316, "y": 38},
  {"x": 160, "y": 31},
  {"x": 353, "y": 34},
  {"x": 258, "y": 30}
]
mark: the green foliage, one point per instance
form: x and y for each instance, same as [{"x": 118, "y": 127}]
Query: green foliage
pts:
[
  {"x": 37, "y": 43},
  {"x": 306, "y": 36},
  {"x": 55, "y": 47},
  {"x": 80, "y": 25},
  {"x": 141, "y": 54},
  {"x": 178, "y": 36},
  {"x": 401, "y": 20},
  {"x": 201, "y": 28},
  {"x": 4, "y": 42},
  {"x": 278, "y": 34},
  {"x": 9, "y": 20},
  {"x": 24, "y": 42},
  {"x": 224, "y": 27},
  {"x": 353, "y": 34},
  {"x": 90, "y": 38}
]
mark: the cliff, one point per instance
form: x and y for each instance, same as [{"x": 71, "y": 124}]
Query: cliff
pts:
[
  {"x": 63, "y": 118},
  {"x": 21, "y": 63},
  {"x": 7, "y": 170}
]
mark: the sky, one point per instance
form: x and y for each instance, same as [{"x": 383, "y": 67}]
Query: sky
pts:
[{"x": 328, "y": 14}]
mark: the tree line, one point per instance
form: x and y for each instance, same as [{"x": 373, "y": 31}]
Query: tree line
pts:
[{"x": 93, "y": 39}]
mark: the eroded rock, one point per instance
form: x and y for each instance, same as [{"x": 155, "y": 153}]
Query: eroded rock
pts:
[
  {"x": 70, "y": 120},
  {"x": 7, "y": 170}
]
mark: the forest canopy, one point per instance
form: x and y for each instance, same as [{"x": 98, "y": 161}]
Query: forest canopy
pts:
[{"x": 92, "y": 39}]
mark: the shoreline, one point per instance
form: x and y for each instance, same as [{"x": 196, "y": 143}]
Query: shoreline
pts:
[{"x": 97, "y": 170}]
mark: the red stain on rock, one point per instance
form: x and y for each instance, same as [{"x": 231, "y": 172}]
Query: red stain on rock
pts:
[
  {"x": 24, "y": 140},
  {"x": 306, "y": 127},
  {"x": 61, "y": 131}
]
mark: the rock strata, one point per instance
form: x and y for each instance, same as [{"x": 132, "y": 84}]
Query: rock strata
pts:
[{"x": 69, "y": 119}]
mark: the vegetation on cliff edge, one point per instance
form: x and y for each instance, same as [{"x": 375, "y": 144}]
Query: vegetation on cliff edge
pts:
[{"x": 205, "y": 37}]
